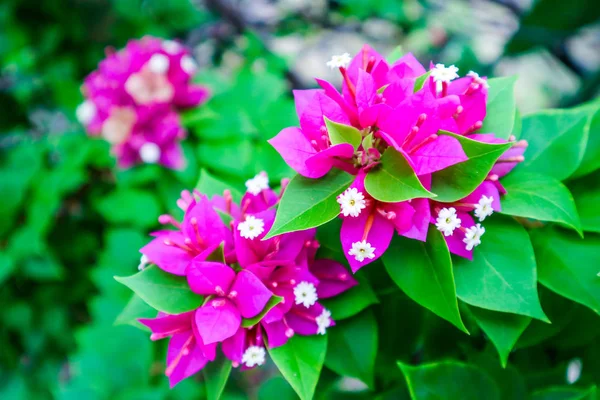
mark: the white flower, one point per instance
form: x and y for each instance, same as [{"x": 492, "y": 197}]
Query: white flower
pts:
[
  {"x": 158, "y": 63},
  {"x": 150, "y": 153},
  {"x": 441, "y": 73},
  {"x": 361, "y": 250},
  {"x": 188, "y": 64},
  {"x": 574, "y": 370},
  {"x": 306, "y": 294},
  {"x": 478, "y": 79},
  {"x": 484, "y": 207},
  {"x": 257, "y": 184},
  {"x": 144, "y": 262},
  {"x": 323, "y": 321},
  {"x": 254, "y": 355},
  {"x": 473, "y": 236},
  {"x": 352, "y": 202},
  {"x": 86, "y": 112},
  {"x": 251, "y": 227},
  {"x": 171, "y": 46},
  {"x": 340, "y": 61},
  {"x": 447, "y": 221}
]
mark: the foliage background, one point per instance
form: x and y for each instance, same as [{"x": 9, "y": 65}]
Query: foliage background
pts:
[{"x": 69, "y": 221}]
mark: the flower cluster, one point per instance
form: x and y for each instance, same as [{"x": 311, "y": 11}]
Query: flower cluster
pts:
[
  {"x": 241, "y": 276},
  {"x": 389, "y": 107},
  {"x": 132, "y": 98}
]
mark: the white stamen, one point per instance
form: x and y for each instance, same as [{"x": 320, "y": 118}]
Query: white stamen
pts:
[
  {"x": 473, "y": 236},
  {"x": 171, "y": 46},
  {"x": 144, "y": 262},
  {"x": 86, "y": 112},
  {"x": 150, "y": 153},
  {"x": 574, "y": 370},
  {"x": 361, "y": 250},
  {"x": 339, "y": 61},
  {"x": 254, "y": 355},
  {"x": 323, "y": 321},
  {"x": 158, "y": 63},
  {"x": 306, "y": 294},
  {"x": 484, "y": 207},
  {"x": 188, "y": 64},
  {"x": 351, "y": 202},
  {"x": 251, "y": 228},
  {"x": 447, "y": 221},
  {"x": 257, "y": 184}
]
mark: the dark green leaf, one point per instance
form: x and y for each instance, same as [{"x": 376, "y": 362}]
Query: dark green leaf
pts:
[
  {"x": 586, "y": 192},
  {"x": 273, "y": 301},
  {"x": 565, "y": 393},
  {"x": 394, "y": 180},
  {"x": 352, "y": 301},
  {"x": 500, "y": 111},
  {"x": 340, "y": 133},
  {"x": 423, "y": 270},
  {"x": 216, "y": 374}
]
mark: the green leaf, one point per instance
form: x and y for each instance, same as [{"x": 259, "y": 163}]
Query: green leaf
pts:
[
  {"x": 423, "y": 270},
  {"x": 129, "y": 206},
  {"x": 500, "y": 112},
  {"x": 340, "y": 133},
  {"x": 586, "y": 192},
  {"x": 459, "y": 180},
  {"x": 218, "y": 255},
  {"x": 394, "y": 55},
  {"x": 503, "y": 329},
  {"x": 502, "y": 276},
  {"x": 367, "y": 142},
  {"x": 555, "y": 135},
  {"x": 136, "y": 308},
  {"x": 565, "y": 393},
  {"x": 7, "y": 266},
  {"x": 352, "y": 347},
  {"x": 420, "y": 81},
  {"x": 216, "y": 374},
  {"x": 448, "y": 380},
  {"x": 539, "y": 197},
  {"x": 163, "y": 291},
  {"x": 210, "y": 186},
  {"x": 569, "y": 265},
  {"x": 307, "y": 203},
  {"x": 394, "y": 180},
  {"x": 300, "y": 362},
  {"x": 273, "y": 301},
  {"x": 591, "y": 157},
  {"x": 352, "y": 301}
]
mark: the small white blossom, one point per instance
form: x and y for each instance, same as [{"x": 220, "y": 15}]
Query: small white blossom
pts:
[
  {"x": 158, "y": 63},
  {"x": 478, "y": 79},
  {"x": 351, "y": 202},
  {"x": 257, "y": 184},
  {"x": 254, "y": 355},
  {"x": 171, "y": 46},
  {"x": 473, "y": 236},
  {"x": 150, "y": 153},
  {"x": 340, "y": 61},
  {"x": 86, "y": 112},
  {"x": 441, "y": 73},
  {"x": 188, "y": 64},
  {"x": 251, "y": 227},
  {"x": 484, "y": 207},
  {"x": 144, "y": 262},
  {"x": 323, "y": 321},
  {"x": 447, "y": 221},
  {"x": 361, "y": 250},
  {"x": 574, "y": 370},
  {"x": 306, "y": 294}
]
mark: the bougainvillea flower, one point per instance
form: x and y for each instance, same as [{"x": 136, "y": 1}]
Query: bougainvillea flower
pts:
[
  {"x": 333, "y": 278},
  {"x": 196, "y": 237},
  {"x": 132, "y": 97},
  {"x": 246, "y": 348},
  {"x": 186, "y": 353},
  {"x": 233, "y": 296}
]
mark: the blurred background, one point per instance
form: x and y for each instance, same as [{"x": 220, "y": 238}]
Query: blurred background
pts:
[{"x": 69, "y": 221}]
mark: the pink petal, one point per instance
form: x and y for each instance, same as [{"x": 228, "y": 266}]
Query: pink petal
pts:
[
  {"x": 234, "y": 347},
  {"x": 420, "y": 220},
  {"x": 179, "y": 364},
  {"x": 295, "y": 148},
  {"x": 208, "y": 229},
  {"x": 474, "y": 110},
  {"x": 252, "y": 295},
  {"x": 168, "y": 258},
  {"x": 207, "y": 278},
  {"x": 321, "y": 106},
  {"x": 487, "y": 188},
  {"x": 365, "y": 90},
  {"x": 276, "y": 333},
  {"x": 455, "y": 241},
  {"x": 252, "y": 251},
  {"x": 437, "y": 155},
  {"x": 332, "y": 92},
  {"x": 333, "y": 277},
  {"x": 217, "y": 320},
  {"x": 303, "y": 98},
  {"x": 406, "y": 67},
  {"x": 321, "y": 163},
  {"x": 166, "y": 325}
]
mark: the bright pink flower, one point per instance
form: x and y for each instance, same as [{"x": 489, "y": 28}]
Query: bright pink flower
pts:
[{"x": 131, "y": 100}]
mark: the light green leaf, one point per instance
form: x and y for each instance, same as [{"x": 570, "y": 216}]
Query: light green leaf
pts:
[
  {"x": 503, "y": 329},
  {"x": 394, "y": 180},
  {"x": 565, "y": 393},
  {"x": 394, "y": 55},
  {"x": 448, "y": 380},
  {"x": 273, "y": 301},
  {"x": 423, "y": 270},
  {"x": 591, "y": 157},
  {"x": 555, "y": 135},
  {"x": 216, "y": 374},
  {"x": 569, "y": 265},
  {"x": 300, "y": 361},
  {"x": 340, "y": 133},
  {"x": 353, "y": 347},
  {"x": 459, "y": 180},
  {"x": 367, "y": 142},
  {"x": 502, "y": 276},
  {"x": 586, "y": 192},
  {"x": 136, "y": 308},
  {"x": 420, "y": 81},
  {"x": 163, "y": 291},
  {"x": 539, "y": 197},
  {"x": 501, "y": 107},
  {"x": 210, "y": 186},
  {"x": 307, "y": 203},
  {"x": 129, "y": 206}
]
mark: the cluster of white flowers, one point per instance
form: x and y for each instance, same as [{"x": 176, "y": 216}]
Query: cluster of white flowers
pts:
[{"x": 323, "y": 322}]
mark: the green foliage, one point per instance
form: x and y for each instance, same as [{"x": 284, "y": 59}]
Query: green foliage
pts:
[{"x": 501, "y": 107}]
